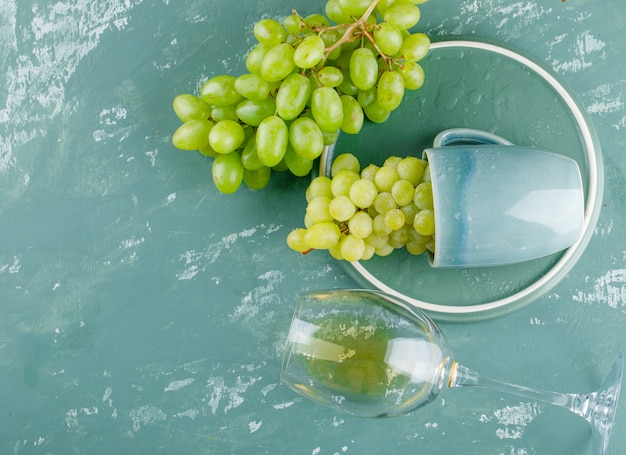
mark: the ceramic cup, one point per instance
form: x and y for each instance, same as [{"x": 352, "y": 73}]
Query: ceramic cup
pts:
[{"x": 496, "y": 203}]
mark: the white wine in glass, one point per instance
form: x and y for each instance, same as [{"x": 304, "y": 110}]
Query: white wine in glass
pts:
[{"x": 370, "y": 354}]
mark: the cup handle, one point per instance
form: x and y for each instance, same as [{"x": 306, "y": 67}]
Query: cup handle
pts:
[{"x": 467, "y": 136}]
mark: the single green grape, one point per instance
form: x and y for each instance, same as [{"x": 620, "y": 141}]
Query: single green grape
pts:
[
  {"x": 322, "y": 236},
  {"x": 227, "y": 172},
  {"x": 403, "y": 192},
  {"x": 369, "y": 172},
  {"x": 292, "y": 96},
  {"x": 342, "y": 208},
  {"x": 336, "y": 13},
  {"x": 327, "y": 109},
  {"x": 295, "y": 240},
  {"x": 390, "y": 90},
  {"x": 254, "y": 112},
  {"x": 412, "y": 169},
  {"x": 190, "y": 107},
  {"x": 347, "y": 87},
  {"x": 352, "y": 248},
  {"x": 388, "y": 37},
  {"x": 297, "y": 164},
  {"x": 413, "y": 75},
  {"x": 255, "y": 57},
  {"x": 277, "y": 63},
  {"x": 340, "y": 184},
  {"x": 294, "y": 24},
  {"x": 385, "y": 178},
  {"x": 330, "y": 76},
  {"x": 252, "y": 86},
  {"x": 361, "y": 225},
  {"x": 384, "y": 202},
  {"x": 424, "y": 222},
  {"x": 363, "y": 68},
  {"x": 353, "y": 115},
  {"x": 316, "y": 20},
  {"x": 220, "y": 91},
  {"x": 415, "y": 47},
  {"x": 271, "y": 140},
  {"x": 309, "y": 52},
  {"x": 224, "y": 113},
  {"x": 269, "y": 32},
  {"x": 354, "y": 8},
  {"x": 363, "y": 192},
  {"x": 192, "y": 135},
  {"x": 249, "y": 157},
  {"x": 319, "y": 186},
  {"x": 402, "y": 14},
  {"x": 423, "y": 197},
  {"x": 318, "y": 210},
  {"x": 394, "y": 219},
  {"x": 257, "y": 179},
  {"x": 345, "y": 161},
  {"x": 306, "y": 138},
  {"x": 226, "y": 136}
]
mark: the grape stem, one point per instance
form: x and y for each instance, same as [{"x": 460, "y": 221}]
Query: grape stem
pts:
[{"x": 358, "y": 24}]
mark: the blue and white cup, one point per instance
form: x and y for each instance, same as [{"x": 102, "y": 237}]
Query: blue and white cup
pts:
[{"x": 496, "y": 203}]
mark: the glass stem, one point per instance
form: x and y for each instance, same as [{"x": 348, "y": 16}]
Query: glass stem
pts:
[{"x": 581, "y": 404}]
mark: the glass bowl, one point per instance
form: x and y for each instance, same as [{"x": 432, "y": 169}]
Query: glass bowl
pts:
[{"x": 491, "y": 87}]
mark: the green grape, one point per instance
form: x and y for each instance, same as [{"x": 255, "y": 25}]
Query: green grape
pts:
[
  {"x": 382, "y": 6},
  {"x": 424, "y": 222},
  {"x": 220, "y": 91},
  {"x": 252, "y": 86},
  {"x": 430, "y": 245},
  {"x": 345, "y": 161},
  {"x": 330, "y": 76},
  {"x": 258, "y": 179},
  {"x": 327, "y": 109},
  {"x": 411, "y": 169},
  {"x": 361, "y": 225},
  {"x": 269, "y": 32},
  {"x": 415, "y": 47},
  {"x": 224, "y": 113},
  {"x": 330, "y": 138},
  {"x": 296, "y": 163},
  {"x": 335, "y": 13},
  {"x": 227, "y": 172},
  {"x": 319, "y": 186},
  {"x": 415, "y": 248},
  {"x": 402, "y": 14},
  {"x": 388, "y": 37},
  {"x": 413, "y": 75},
  {"x": 423, "y": 198},
  {"x": 295, "y": 240},
  {"x": 385, "y": 178},
  {"x": 376, "y": 240},
  {"x": 255, "y": 57},
  {"x": 189, "y": 107},
  {"x": 409, "y": 210},
  {"x": 318, "y": 210},
  {"x": 394, "y": 219},
  {"x": 292, "y": 96},
  {"x": 316, "y": 21},
  {"x": 363, "y": 192},
  {"x": 392, "y": 161},
  {"x": 368, "y": 252},
  {"x": 192, "y": 135},
  {"x": 403, "y": 192},
  {"x": 249, "y": 157},
  {"x": 363, "y": 68},
  {"x": 335, "y": 250},
  {"x": 277, "y": 63},
  {"x": 390, "y": 90},
  {"x": 347, "y": 87},
  {"x": 254, "y": 112},
  {"x": 379, "y": 226},
  {"x": 366, "y": 97},
  {"x": 352, "y": 248},
  {"x": 271, "y": 140},
  {"x": 384, "y": 202},
  {"x": 354, "y": 8},
  {"x": 226, "y": 136},
  {"x": 322, "y": 236},
  {"x": 384, "y": 250},
  {"x": 376, "y": 113},
  {"x": 294, "y": 25},
  {"x": 306, "y": 138},
  {"x": 330, "y": 37},
  {"x": 309, "y": 52},
  {"x": 416, "y": 237},
  {"x": 353, "y": 116},
  {"x": 341, "y": 183},
  {"x": 369, "y": 172},
  {"x": 281, "y": 166},
  {"x": 342, "y": 208},
  {"x": 207, "y": 150}
]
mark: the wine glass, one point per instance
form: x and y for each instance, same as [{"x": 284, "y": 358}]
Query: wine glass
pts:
[{"x": 370, "y": 354}]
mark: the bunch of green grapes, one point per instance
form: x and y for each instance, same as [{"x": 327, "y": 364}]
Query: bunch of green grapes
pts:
[
  {"x": 357, "y": 213},
  {"x": 307, "y": 80}
]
